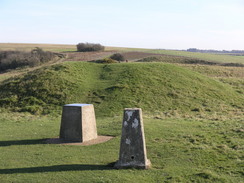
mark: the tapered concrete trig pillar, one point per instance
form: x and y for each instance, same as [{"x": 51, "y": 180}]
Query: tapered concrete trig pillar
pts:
[
  {"x": 78, "y": 123},
  {"x": 132, "y": 146}
]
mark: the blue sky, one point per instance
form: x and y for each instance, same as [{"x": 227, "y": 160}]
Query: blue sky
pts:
[{"x": 166, "y": 24}]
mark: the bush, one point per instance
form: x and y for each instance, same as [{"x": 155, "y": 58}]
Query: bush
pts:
[
  {"x": 42, "y": 56},
  {"x": 15, "y": 59},
  {"x": 86, "y": 47},
  {"x": 118, "y": 57},
  {"x": 106, "y": 61},
  {"x": 12, "y": 59}
]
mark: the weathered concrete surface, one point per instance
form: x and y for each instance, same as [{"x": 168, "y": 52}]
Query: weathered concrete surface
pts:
[
  {"x": 132, "y": 145},
  {"x": 78, "y": 123}
]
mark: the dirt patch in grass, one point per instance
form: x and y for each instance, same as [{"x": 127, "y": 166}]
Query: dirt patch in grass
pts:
[
  {"x": 98, "y": 140},
  {"x": 87, "y": 56}
]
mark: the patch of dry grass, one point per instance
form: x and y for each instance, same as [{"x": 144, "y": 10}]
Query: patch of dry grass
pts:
[
  {"x": 29, "y": 47},
  {"x": 217, "y": 71}
]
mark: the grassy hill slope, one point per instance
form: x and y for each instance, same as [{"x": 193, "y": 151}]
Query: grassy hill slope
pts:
[{"x": 160, "y": 89}]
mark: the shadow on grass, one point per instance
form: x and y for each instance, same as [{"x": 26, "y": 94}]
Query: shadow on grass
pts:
[
  {"x": 23, "y": 142},
  {"x": 57, "y": 168}
]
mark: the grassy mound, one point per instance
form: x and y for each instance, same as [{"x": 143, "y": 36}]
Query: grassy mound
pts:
[
  {"x": 47, "y": 88},
  {"x": 158, "y": 88}
]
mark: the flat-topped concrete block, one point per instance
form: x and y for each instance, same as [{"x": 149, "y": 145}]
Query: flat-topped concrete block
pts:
[
  {"x": 132, "y": 145},
  {"x": 78, "y": 123}
]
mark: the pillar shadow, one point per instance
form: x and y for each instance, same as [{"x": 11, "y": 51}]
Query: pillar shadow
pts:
[
  {"x": 23, "y": 142},
  {"x": 56, "y": 168}
]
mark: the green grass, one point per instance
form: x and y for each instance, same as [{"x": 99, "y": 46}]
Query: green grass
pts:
[
  {"x": 217, "y": 71},
  {"x": 180, "y": 150},
  {"x": 160, "y": 89},
  {"x": 228, "y": 75},
  {"x": 193, "y": 118}
]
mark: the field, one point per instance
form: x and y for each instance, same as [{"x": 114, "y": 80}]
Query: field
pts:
[
  {"x": 181, "y": 150},
  {"x": 28, "y": 47},
  {"x": 222, "y": 58},
  {"x": 193, "y": 116}
]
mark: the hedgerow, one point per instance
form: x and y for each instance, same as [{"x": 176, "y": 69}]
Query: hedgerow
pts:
[{"x": 15, "y": 59}]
